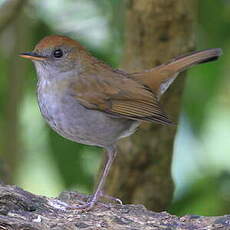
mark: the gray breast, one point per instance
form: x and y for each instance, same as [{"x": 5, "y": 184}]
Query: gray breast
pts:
[{"x": 77, "y": 123}]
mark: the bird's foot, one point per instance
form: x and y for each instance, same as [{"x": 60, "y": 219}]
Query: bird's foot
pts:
[
  {"x": 87, "y": 205},
  {"x": 84, "y": 206},
  {"x": 93, "y": 199},
  {"x": 111, "y": 198}
]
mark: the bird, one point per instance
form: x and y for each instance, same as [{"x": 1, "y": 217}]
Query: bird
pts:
[{"x": 87, "y": 101}]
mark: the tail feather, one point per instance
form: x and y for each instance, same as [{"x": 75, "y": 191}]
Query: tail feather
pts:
[
  {"x": 159, "y": 78},
  {"x": 183, "y": 62}
]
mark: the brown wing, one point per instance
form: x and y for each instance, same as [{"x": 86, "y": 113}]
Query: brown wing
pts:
[{"x": 118, "y": 95}]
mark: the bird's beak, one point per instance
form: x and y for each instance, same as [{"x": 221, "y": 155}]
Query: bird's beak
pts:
[{"x": 33, "y": 56}]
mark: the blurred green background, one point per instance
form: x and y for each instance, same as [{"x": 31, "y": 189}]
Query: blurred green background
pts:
[{"x": 45, "y": 163}]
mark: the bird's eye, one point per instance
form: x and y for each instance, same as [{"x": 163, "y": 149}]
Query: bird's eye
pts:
[{"x": 58, "y": 53}]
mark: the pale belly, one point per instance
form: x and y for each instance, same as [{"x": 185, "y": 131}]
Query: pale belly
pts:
[{"x": 73, "y": 121}]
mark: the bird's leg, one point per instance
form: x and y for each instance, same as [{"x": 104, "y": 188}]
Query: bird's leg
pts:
[{"x": 110, "y": 155}]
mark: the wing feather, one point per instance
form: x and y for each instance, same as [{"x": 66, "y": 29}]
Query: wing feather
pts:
[
  {"x": 119, "y": 95},
  {"x": 140, "y": 110}
]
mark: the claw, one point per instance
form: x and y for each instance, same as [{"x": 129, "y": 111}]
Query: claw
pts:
[{"x": 111, "y": 198}]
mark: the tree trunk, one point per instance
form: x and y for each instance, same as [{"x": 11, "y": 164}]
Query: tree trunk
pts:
[{"x": 156, "y": 30}]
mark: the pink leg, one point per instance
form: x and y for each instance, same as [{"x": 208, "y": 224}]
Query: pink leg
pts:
[{"x": 110, "y": 155}]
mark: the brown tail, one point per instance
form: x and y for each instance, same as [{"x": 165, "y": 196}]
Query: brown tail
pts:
[
  {"x": 183, "y": 62},
  {"x": 164, "y": 75}
]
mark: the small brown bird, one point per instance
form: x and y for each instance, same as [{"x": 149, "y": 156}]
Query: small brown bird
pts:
[{"x": 88, "y": 102}]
